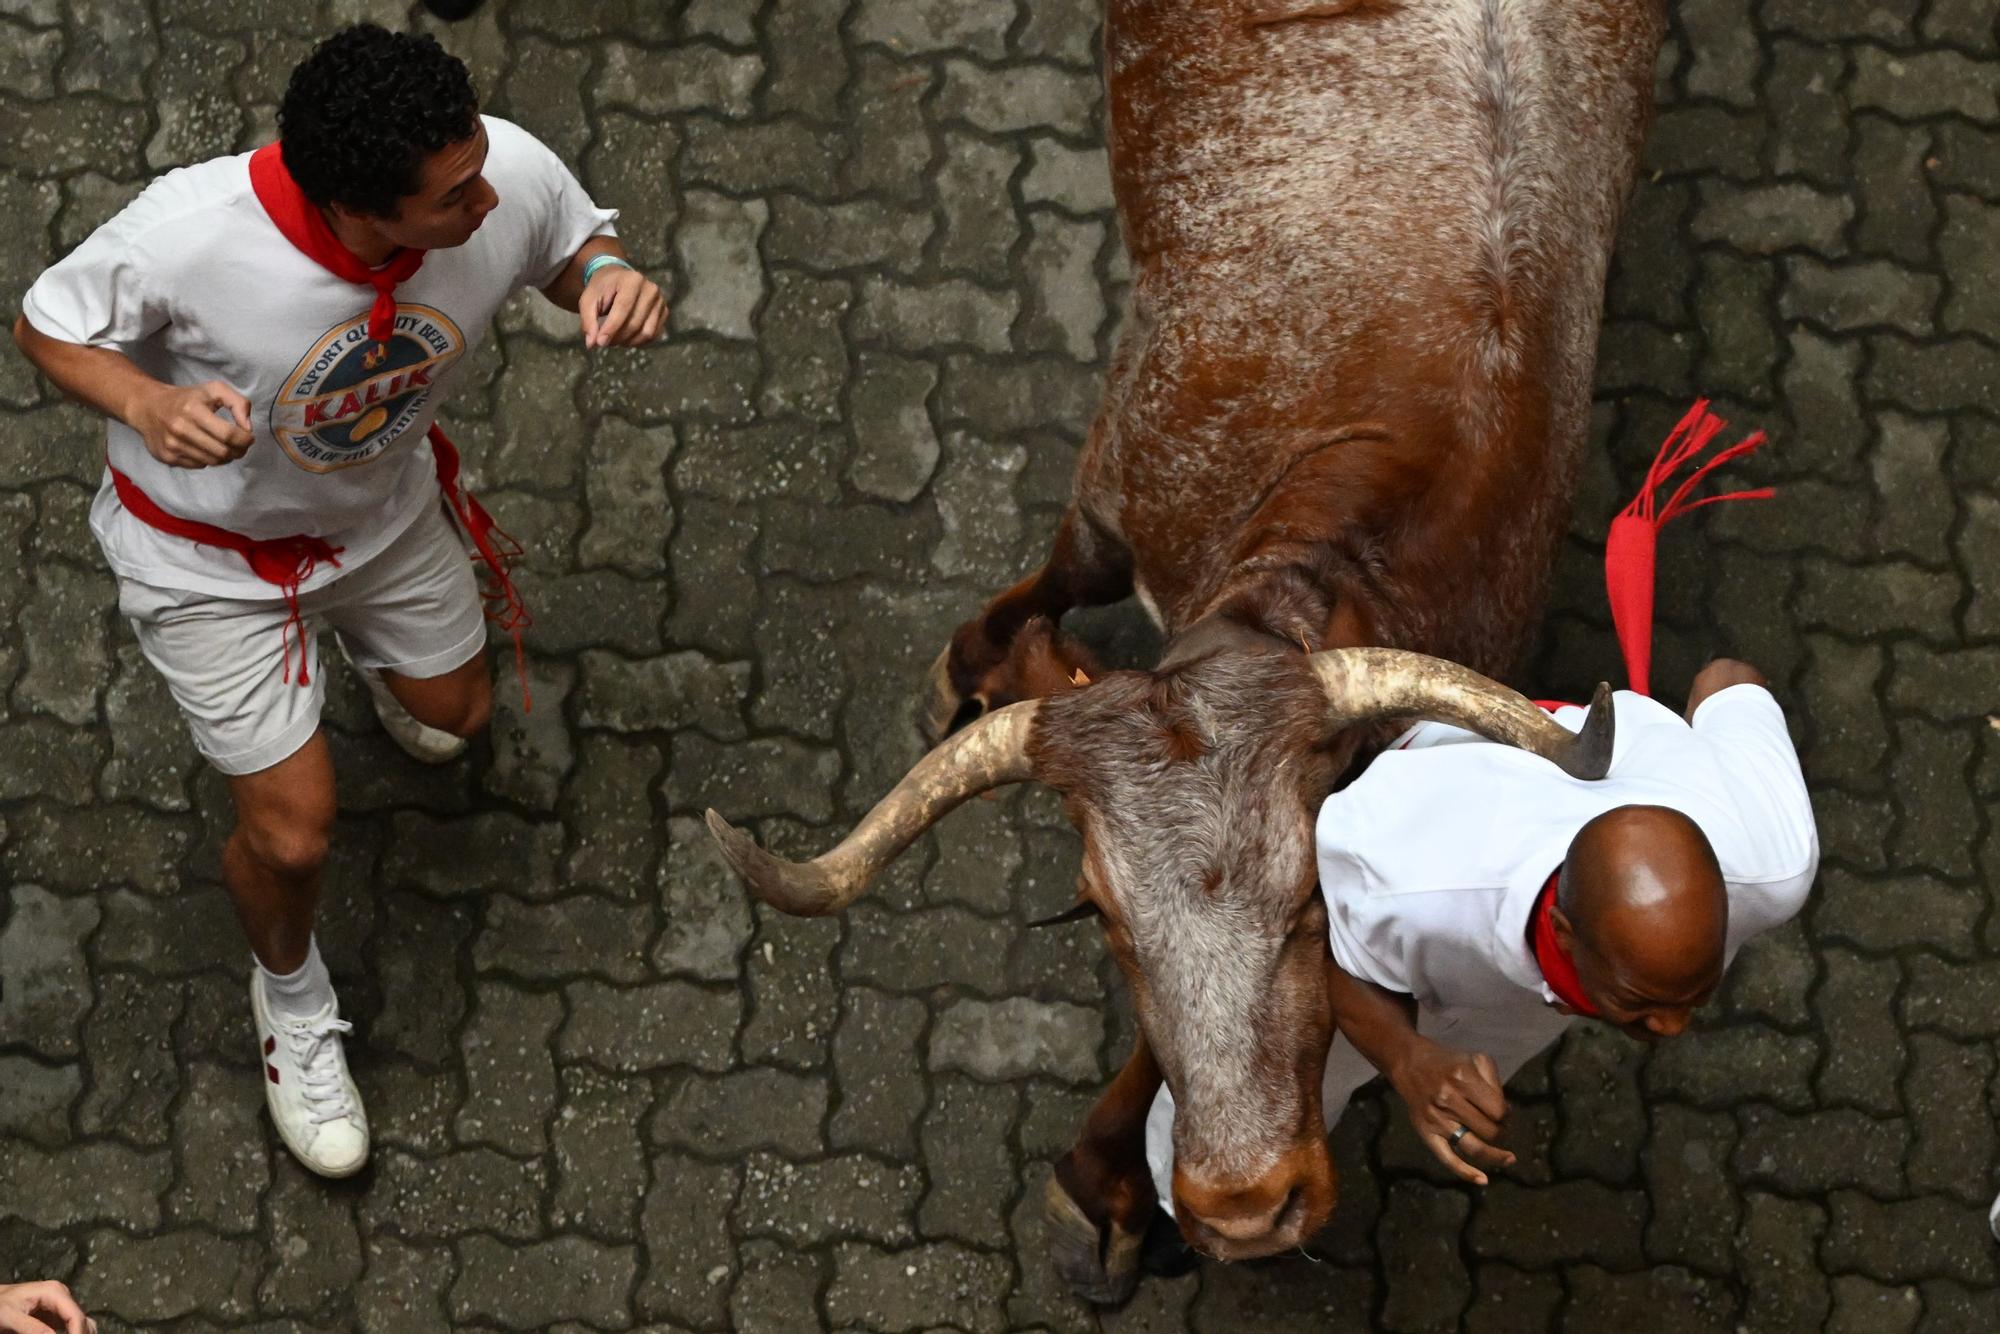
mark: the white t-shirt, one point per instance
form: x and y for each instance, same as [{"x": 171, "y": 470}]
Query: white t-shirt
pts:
[
  {"x": 1431, "y": 861},
  {"x": 194, "y": 282}
]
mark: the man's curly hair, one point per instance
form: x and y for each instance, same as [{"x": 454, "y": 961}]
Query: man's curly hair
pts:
[{"x": 365, "y": 109}]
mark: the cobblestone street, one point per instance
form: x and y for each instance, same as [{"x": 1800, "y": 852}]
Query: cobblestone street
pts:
[{"x": 609, "y": 1094}]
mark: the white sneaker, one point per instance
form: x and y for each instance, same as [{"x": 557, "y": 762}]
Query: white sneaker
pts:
[
  {"x": 426, "y": 745},
  {"x": 312, "y": 1098}
]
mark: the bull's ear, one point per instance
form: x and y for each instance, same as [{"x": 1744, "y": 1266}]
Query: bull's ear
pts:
[{"x": 1077, "y": 912}]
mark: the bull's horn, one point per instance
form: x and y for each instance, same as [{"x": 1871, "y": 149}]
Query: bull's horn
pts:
[
  {"x": 1364, "y": 684},
  {"x": 985, "y": 754}
]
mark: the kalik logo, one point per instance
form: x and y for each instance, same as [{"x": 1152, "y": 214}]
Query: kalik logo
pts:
[{"x": 351, "y": 397}]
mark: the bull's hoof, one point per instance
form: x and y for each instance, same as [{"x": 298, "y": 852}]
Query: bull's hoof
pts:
[
  {"x": 1100, "y": 1265},
  {"x": 945, "y": 709}
]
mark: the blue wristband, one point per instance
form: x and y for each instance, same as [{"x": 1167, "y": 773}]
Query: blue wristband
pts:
[{"x": 600, "y": 262}]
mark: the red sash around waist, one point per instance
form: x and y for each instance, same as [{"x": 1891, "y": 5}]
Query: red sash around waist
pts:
[{"x": 287, "y": 562}]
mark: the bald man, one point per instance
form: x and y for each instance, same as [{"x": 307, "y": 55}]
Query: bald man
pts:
[{"x": 1480, "y": 900}]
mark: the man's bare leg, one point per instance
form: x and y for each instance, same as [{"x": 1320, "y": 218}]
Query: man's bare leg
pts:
[
  {"x": 271, "y": 864},
  {"x": 459, "y": 702}
]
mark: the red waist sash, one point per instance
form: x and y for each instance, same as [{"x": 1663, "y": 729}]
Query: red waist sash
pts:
[{"x": 287, "y": 562}]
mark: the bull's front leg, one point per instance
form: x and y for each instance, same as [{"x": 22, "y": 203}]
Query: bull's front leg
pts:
[
  {"x": 990, "y": 663},
  {"x": 1100, "y": 1197}
]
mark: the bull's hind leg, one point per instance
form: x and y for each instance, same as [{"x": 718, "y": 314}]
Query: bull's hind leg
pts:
[
  {"x": 980, "y": 669},
  {"x": 1100, "y": 1198}
]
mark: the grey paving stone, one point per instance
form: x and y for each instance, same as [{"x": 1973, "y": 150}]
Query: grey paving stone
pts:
[
  {"x": 678, "y": 690},
  {"x": 607, "y": 802},
  {"x": 532, "y": 750},
  {"x": 1264, "y": 1296},
  {"x": 1953, "y": 1148},
  {"x": 776, "y": 1292},
  {"x": 852, "y": 1196},
  {"x": 473, "y": 856},
  {"x": 36, "y": 1099},
  {"x": 1763, "y": 218},
  {"x": 149, "y": 1279},
  {"x": 1425, "y": 1269},
  {"x": 41, "y": 956},
  {"x": 1906, "y": 1240},
  {"x": 510, "y": 1078},
  {"x": 1688, "y": 1177},
  {"x": 1863, "y": 1069},
  {"x": 794, "y": 996},
  {"x": 1011, "y": 1038},
  {"x": 544, "y": 1282},
  {"x": 730, "y": 1114},
  {"x": 1803, "y": 1154},
  {"x": 968, "y": 1162},
  {"x": 1779, "y": 1244},
  {"x": 896, "y": 445},
  {"x": 1512, "y": 1299},
  {"x": 423, "y": 1002},
  {"x": 128, "y": 1045},
  {"x": 424, "y": 1199},
  {"x": 315, "y": 1249},
  {"x": 219, "y": 1124},
  {"x": 1914, "y": 85},
  {"x": 1669, "y": 1300},
  {"x": 1708, "y": 1066},
  {"x": 643, "y": 1028},
  {"x": 93, "y": 847},
  {"x": 1575, "y": 1220},
  {"x": 1018, "y": 97},
  {"x": 935, "y": 25},
  {"x": 691, "y": 1258},
  {"x": 1863, "y": 1306},
  {"x": 876, "y": 1042},
  {"x": 696, "y": 77},
  {"x": 915, "y": 1288},
  {"x": 1596, "y": 1074},
  {"x": 953, "y": 314},
  {"x": 402, "y": 1288},
  {"x": 800, "y": 331},
  {"x": 96, "y": 1182}
]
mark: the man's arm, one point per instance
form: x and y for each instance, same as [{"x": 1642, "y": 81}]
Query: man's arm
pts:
[
  {"x": 180, "y": 424},
  {"x": 622, "y": 308},
  {"x": 1718, "y": 676},
  {"x": 1442, "y": 1089}
]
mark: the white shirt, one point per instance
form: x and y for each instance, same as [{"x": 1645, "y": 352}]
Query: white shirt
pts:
[
  {"x": 194, "y": 282},
  {"x": 1431, "y": 861}
]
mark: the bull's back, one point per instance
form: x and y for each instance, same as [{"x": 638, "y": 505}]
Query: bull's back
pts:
[{"x": 1376, "y": 236}]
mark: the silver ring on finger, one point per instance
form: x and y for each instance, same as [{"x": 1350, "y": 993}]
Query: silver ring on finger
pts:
[{"x": 1459, "y": 1134}]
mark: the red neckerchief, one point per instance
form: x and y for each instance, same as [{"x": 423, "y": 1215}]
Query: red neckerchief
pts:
[
  {"x": 1558, "y": 969},
  {"x": 299, "y": 219}
]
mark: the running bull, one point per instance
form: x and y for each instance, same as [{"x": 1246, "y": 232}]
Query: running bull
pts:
[{"x": 1336, "y": 447}]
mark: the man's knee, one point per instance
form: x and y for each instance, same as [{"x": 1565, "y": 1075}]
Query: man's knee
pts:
[
  {"x": 474, "y": 711},
  {"x": 461, "y": 706},
  {"x": 294, "y": 849}
]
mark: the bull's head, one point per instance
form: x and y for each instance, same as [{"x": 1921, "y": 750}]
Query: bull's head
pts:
[{"x": 1195, "y": 789}]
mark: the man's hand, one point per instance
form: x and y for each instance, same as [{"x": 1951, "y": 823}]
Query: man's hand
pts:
[
  {"x": 1720, "y": 675},
  {"x": 193, "y": 427},
  {"x": 1446, "y": 1089},
  {"x": 35, "y": 1308},
  {"x": 621, "y": 308}
]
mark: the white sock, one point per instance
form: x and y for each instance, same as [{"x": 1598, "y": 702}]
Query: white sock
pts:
[{"x": 302, "y": 994}]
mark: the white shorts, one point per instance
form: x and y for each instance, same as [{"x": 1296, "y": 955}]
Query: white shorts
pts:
[{"x": 414, "y": 609}]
